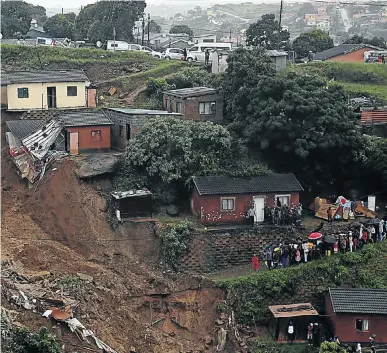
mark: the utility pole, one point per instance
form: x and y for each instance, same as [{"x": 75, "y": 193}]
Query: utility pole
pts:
[
  {"x": 62, "y": 10},
  {"x": 148, "y": 26},
  {"x": 279, "y": 24},
  {"x": 143, "y": 29},
  {"x": 230, "y": 35}
]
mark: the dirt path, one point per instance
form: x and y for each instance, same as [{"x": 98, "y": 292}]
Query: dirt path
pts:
[{"x": 133, "y": 95}]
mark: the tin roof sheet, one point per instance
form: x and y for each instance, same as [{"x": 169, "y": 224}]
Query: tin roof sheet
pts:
[{"x": 293, "y": 310}]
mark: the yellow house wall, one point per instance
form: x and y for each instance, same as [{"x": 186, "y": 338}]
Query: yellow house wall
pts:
[{"x": 38, "y": 90}]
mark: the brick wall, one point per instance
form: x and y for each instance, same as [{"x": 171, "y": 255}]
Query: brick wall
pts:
[{"x": 221, "y": 249}]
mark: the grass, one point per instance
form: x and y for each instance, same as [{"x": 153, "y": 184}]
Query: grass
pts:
[
  {"x": 357, "y": 78},
  {"x": 26, "y": 57}
]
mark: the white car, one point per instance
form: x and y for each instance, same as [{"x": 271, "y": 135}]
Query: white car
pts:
[
  {"x": 173, "y": 54},
  {"x": 150, "y": 51},
  {"x": 134, "y": 46}
]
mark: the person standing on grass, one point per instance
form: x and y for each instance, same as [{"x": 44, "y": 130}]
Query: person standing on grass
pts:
[
  {"x": 290, "y": 332},
  {"x": 255, "y": 263},
  {"x": 329, "y": 213}
]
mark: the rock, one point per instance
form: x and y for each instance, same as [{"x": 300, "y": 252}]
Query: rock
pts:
[
  {"x": 172, "y": 334},
  {"x": 208, "y": 340},
  {"x": 97, "y": 164},
  {"x": 222, "y": 316},
  {"x": 219, "y": 322},
  {"x": 121, "y": 96},
  {"x": 85, "y": 277}
]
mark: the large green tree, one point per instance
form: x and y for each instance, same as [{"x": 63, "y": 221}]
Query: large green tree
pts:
[
  {"x": 298, "y": 124},
  {"x": 265, "y": 33},
  {"x": 246, "y": 68},
  {"x": 96, "y": 21},
  {"x": 154, "y": 27},
  {"x": 16, "y": 17},
  {"x": 181, "y": 29},
  {"x": 61, "y": 25},
  {"x": 314, "y": 41}
]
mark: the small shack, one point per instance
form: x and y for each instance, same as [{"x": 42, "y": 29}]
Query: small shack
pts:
[
  {"x": 132, "y": 204},
  {"x": 299, "y": 314}
]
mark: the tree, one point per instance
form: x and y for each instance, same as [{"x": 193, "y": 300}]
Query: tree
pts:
[
  {"x": 245, "y": 70},
  {"x": 153, "y": 27},
  {"x": 357, "y": 39},
  {"x": 16, "y": 17},
  {"x": 61, "y": 26},
  {"x": 191, "y": 77},
  {"x": 330, "y": 347},
  {"x": 181, "y": 29},
  {"x": 167, "y": 152},
  {"x": 298, "y": 124},
  {"x": 265, "y": 33},
  {"x": 23, "y": 341},
  {"x": 120, "y": 15},
  {"x": 314, "y": 41}
]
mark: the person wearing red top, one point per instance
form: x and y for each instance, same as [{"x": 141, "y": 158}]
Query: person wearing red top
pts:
[{"x": 255, "y": 263}]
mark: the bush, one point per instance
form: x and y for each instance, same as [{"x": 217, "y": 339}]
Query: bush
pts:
[
  {"x": 156, "y": 86},
  {"x": 191, "y": 77},
  {"x": 175, "y": 242},
  {"x": 23, "y": 341}
]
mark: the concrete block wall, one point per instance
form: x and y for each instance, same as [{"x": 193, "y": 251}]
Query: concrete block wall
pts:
[{"x": 222, "y": 249}]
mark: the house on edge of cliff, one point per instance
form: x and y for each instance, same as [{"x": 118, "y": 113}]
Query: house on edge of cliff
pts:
[
  {"x": 357, "y": 313},
  {"x": 223, "y": 199}
]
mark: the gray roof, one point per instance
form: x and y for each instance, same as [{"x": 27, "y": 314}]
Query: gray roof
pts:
[
  {"x": 87, "y": 118},
  {"x": 339, "y": 50},
  {"x": 130, "y": 111},
  {"x": 273, "y": 53},
  {"x": 221, "y": 185},
  {"x": 38, "y": 76},
  {"x": 359, "y": 300},
  {"x": 191, "y": 92},
  {"x": 24, "y": 128}
]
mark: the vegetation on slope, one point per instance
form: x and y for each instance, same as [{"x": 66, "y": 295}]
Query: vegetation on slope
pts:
[{"x": 251, "y": 295}]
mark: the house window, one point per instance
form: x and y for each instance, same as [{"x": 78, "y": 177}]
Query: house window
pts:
[
  {"x": 282, "y": 200},
  {"x": 72, "y": 91},
  {"x": 22, "y": 92},
  {"x": 227, "y": 203},
  {"x": 96, "y": 135},
  {"x": 121, "y": 129},
  {"x": 178, "y": 107},
  {"x": 362, "y": 325},
  {"x": 207, "y": 108}
]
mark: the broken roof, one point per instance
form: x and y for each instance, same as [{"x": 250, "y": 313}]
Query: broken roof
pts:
[
  {"x": 129, "y": 111},
  {"x": 41, "y": 76},
  {"x": 274, "y": 53},
  {"x": 293, "y": 310},
  {"x": 84, "y": 118},
  {"x": 23, "y": 128},
  {"x": 131, "y": 193},
  {"x": 368, "y": 301},
  {"x": 41, "y": 141},
  {"x": 191, "y": 92},
  {"x": 220, "y": 185}
]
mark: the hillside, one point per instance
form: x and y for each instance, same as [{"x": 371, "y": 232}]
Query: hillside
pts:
[
  {"x": 358, "y": 79},
  {"x": 251, "y": 295}
]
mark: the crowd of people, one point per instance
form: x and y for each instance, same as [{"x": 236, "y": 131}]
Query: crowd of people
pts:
[
  {"x": 283, "y": 215},
  {"x": 288, "y": 254}
]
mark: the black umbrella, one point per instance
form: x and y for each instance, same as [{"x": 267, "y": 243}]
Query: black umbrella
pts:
[{"x": 329, "y": 239}]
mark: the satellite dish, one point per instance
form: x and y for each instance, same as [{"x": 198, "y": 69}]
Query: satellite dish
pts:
[{"x": 99, "y": 44}]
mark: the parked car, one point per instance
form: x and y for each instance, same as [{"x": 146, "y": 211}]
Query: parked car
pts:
[
  {"x": 197, "y": 52},
  {"x": 173, "y": 54},
  {"x": 134, "y": 47},
  {"x": 152, "y": 52}
]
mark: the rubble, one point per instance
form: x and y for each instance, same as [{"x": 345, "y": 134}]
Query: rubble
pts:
[{"x": 97, "y": 164}]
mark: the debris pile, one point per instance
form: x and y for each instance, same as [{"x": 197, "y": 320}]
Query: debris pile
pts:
[
  {"x": 342, "y": 209},
  {"x": 53, "y": 299}
]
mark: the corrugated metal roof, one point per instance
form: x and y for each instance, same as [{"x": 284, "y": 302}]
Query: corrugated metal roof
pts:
[
  {"x": 24, "y": 128},
  {"x": 40, "y": 76},
  {"x": 143, "y": 111},
  {"x": 359, "y": 300},
  {"x": 374, "y": 116},
  {"x": 131, "y": 193},
  {"x": 221, "y": 185},
  {"x": 86, "y": 118},
  {"x": 191, "y": 92},
  {"x": 276, "y": 53},
  {"x": 339, "y": 50},
  {"x": 39, "y": 142},
  {"x": 293, "y": 310}
]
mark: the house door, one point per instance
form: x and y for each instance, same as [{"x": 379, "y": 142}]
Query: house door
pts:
[
  {"x": 259, "y": 205},
  {"x": 74, "y": 143},
  {"x": 51, "y": 97},
  {"x": 127, "y": 132}
]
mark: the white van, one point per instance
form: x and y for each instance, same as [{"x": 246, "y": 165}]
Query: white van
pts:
[
  {"x": 117, "y": 45},
  {"x": 197, "y": 52}
]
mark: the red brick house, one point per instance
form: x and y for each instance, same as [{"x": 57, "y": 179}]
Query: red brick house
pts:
[
  {"x": 345, "y": 52},
  {"x": 357, "y": 313},
  {"x": 223, "y": 199},
  {"x": 197, "y": 103}
]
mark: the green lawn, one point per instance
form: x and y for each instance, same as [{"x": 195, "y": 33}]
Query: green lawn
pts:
[{"x": 379, "y": 91}]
